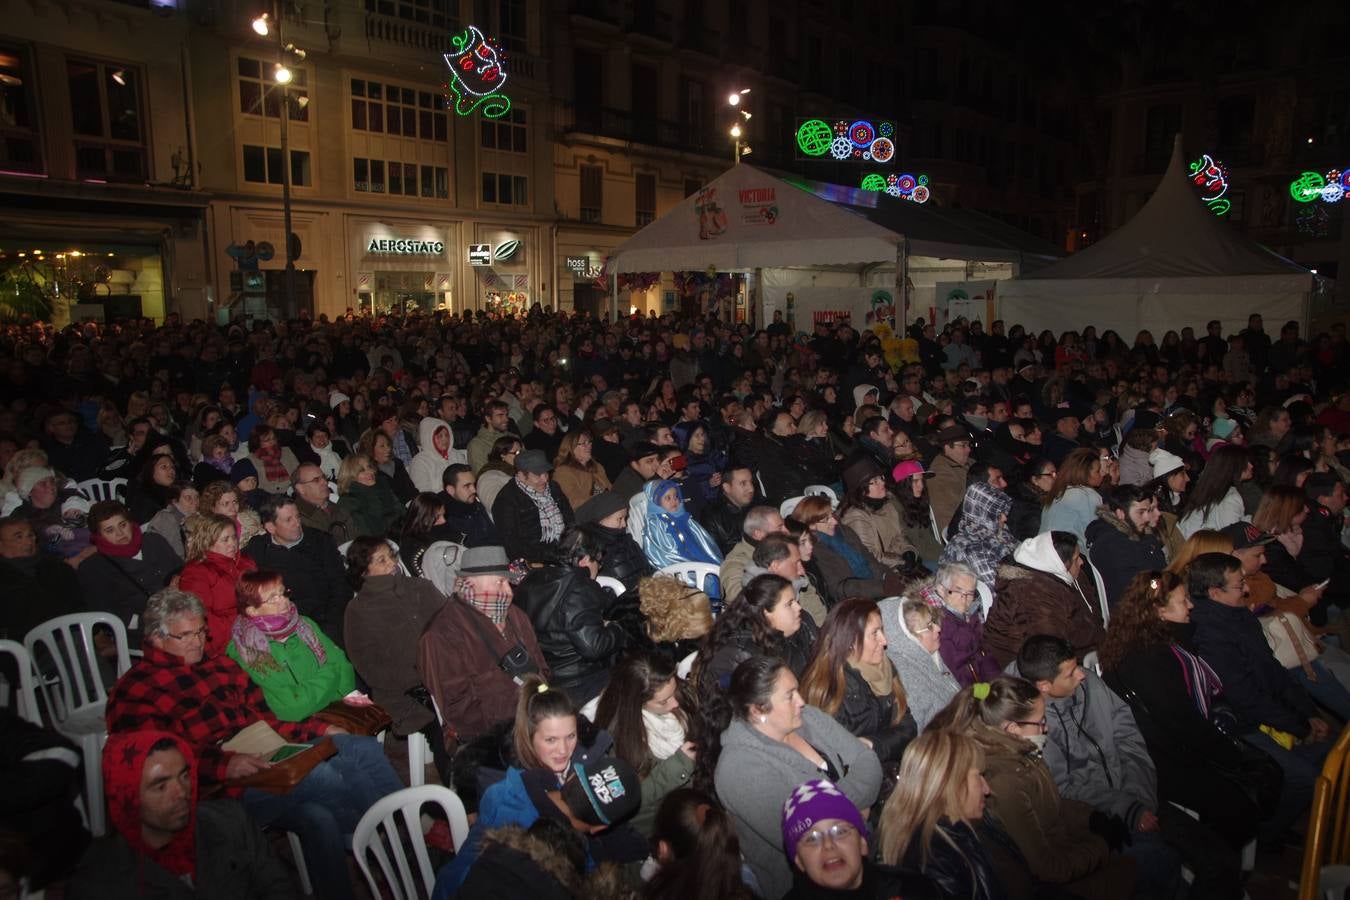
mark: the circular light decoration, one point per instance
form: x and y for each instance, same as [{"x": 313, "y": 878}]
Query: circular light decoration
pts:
[
  {"x": 1333, "y": 193},
  {"x": 842, "y": 148},
  {"x": 862, "y": 133},
  {"x": 813, "y": 137},
  {"x": 1345, "y": 180},
  {"x": 923, "y": 179},
  {"x": 885, "y": 129},
  {"x": 1307, "y": 187},
  {"x": 874, "y": 182},
  {"x": 894, "y": 190},
  {"x": 882, "y": 150},
  {"x": 866, "y": 154},
  {"x": 907, "y": 183},
  {"x": 919, "y": 194}
]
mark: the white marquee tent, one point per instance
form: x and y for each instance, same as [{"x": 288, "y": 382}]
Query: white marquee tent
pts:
[
  {"x": 824, "y": 244},
  {"x": 1174, "y": 264}
]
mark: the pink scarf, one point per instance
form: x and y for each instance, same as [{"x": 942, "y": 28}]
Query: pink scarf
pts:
[{"x": 254, "y": 636}]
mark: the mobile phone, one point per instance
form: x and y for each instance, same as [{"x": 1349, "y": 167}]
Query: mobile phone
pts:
[{"x": 1322, "y": 584}]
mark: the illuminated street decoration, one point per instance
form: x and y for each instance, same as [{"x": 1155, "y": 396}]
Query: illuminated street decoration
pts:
[
  {"x": 476, "y": 75},
  {"x": 1211, "y": 176},
  {"x": 860, "y": 140},
  {"x": 906, "y": 187},
  {"x": 1329, "y": 188}
]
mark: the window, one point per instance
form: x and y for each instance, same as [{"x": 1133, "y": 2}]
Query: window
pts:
[
  {"x": 260, "y": 95},
  {"x": 436, "y": 13},
  {"x": 262, "y": 165},
  {"x": 508, "y": 133},
  {"x": 368, "y": 176},
  {"x": 592, "y": 193},
  {"x": 507, "y": 190},
  {"x": 19, "y": 147},
  {"x": 692, "y": 186},
  {"x": 1236, "y": 125},
  {"x": 105, "y": 108},
  {"x": 693, "y": 104},
  {"x": 511, "y": 26},
  {"x": 381, "y": 108},
  {"x": 1162, "y": 126},
  {"x": 646, "y": 199}
]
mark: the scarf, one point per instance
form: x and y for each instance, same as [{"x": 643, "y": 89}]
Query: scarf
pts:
[
  {"x": 857, "y": 563},
  {"x": 126, "y": 551},
  {"x": 550, "y": 514},
  {"x": 223, "y": 464},
  {"x": 329, "y": 461},
  {"x": 1202, "y": 682},
  {"x": 880, "y": 677},
  {"x": 665, "y": 733},
  {"x": 254, "y": 637},
  {"x": 123, "y": 766},
  {"x": 271, "y": 460},
  {"x": 493, "y": 604}
]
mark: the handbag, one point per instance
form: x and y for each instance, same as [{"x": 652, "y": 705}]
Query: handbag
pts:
[
  {"x": 1292, "y": 643},
  {"x": 281, "y": 777},
  {"x": 367, "y": 720}
]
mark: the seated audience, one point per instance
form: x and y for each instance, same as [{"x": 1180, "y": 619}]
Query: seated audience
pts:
[
  {"x": 273, "y": 462},
  {"x": 1123, "y": 541},
  {"x": 696, "y": 851},
  {"x": 983, "y": 540},
  {"x": 671, "y": 535},
  {"x": 1071, "y": 502},
  {"x": 467, "y": 520},
  {"x": 170, "y": 522},
  {"x": 606, "y": 517},
  {"x": 765, "y": 618},
  {"x": 847, "y": 566},
  {"x": 531, "y": 510},
  {"x": 1046, "y": 588},
  {"x": 313, "y": 498},
  {"x": 214, "y": 566},
  {"x": 913, "y": 643},
  {"x": 127, "y": 568},
  {"x": 370, "y": 501},
  {"x": 308, "y": 561}
]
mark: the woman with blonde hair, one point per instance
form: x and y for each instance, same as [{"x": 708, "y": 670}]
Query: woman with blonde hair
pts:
[
  {"x": 369, "y": 499},
  {"x": 678, "y": 616},
  {"x": 1201, "y": 542},
  {"x": 930, "y": 822},
  {"x": 224, "y": 499},
  {"x": 213, "y": 566},
  {"x": 575, "y": 469},
  {"x": 1006, "y": 718}
]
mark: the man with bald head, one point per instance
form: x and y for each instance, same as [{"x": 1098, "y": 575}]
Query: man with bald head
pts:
[{"x": 311, "y": 499}]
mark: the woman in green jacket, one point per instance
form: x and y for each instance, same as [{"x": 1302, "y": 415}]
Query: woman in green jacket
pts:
[
  {"x": 371, "y": 501},
  {"x": 299, "y": 669}
]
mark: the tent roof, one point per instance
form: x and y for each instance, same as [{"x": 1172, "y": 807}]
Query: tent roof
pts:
[
  {"x": 814, "y": 224},
  {"x": 1173, "y": 235},
  {"x": 746, "y": 219},
  {"x": 943, "y": 232}
]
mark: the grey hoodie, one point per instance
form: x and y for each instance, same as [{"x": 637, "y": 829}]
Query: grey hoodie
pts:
[
  {"x": 929, "y": 684},
  {"x": 755, "y": 775},
  {"x": 1096, "y": 754}
]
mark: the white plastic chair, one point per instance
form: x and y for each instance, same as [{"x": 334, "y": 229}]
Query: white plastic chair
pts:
[
  {"x": 25, "y": 694},
  {"x": 787, "y": 506},
  {"x": 97, "y": 489},
  {"x": 342, "y": 551},
  {"x": 822, "y": 490},
  {"x": 332, "y": 492},
  {"x": 378, "y": 833},
  {"x": 612, "y": 583},
  {"x": 76, "y": 699},
  {"x": 694, "y": 574},
  {"x": 937, "y": 532},
  {"x": 986, "y": 597}
]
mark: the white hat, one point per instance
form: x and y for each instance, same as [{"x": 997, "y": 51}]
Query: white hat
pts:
[
  {"x": 1164, "y": 463},
  {"x": 26, "y": 480},
  {"x": 337, "y": 397}
]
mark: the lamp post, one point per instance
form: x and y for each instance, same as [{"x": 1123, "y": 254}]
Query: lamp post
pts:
[
  {"x": 264, "y": 25},
  {"x": 734, "y": 101}
]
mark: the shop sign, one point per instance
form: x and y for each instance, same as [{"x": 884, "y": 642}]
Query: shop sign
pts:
[
  {"x": 480, "y": 254},
  {"x": 582, "y": 267},
  {"x": 405, "y": 247},
  {"x": 506, "y": 250}
]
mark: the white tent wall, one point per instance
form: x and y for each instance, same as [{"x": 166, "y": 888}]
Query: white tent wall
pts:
[{"x": 1127, "y": 305}]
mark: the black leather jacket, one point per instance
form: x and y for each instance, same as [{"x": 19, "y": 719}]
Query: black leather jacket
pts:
[
  {"x": 623, "y": 558},
  {"x": 865, "y": 714},
  {"x": 964, "y": 870},
  {"x": 569, "y": 612},
  {"x": 723, "y": 519}
]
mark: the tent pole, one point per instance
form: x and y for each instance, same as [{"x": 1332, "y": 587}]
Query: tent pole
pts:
[
  {"x": 757, "y": 300},
  {"x": 614, "y": 298},
  {"x": 901, "y": 280}
]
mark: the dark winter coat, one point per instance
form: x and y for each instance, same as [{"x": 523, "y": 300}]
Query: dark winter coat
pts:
[
  {"x": 383, "y": 625},
  {"x": 569, "y": 612},
  {"x": 1260, "y": 689},
  {"x": 723, "y": 520},
  {"x": 961, "y": 646},
  {"x": 517, "y": 520},
  {"x": 37, "y": 589},
  {"x": 466, "y": 523},
  {"x": 1030, "y": 601},
  {"x": 964, "y": 870},
  {"x": 866, "y": 715},
  {"x": 1120, "y": 552},
  {"x": 312, "y": 571},
  {"x": 623, "y": 558},
  {"x": 121, "y": 584},
  {"x": 839, "y": 575},
  {"x": 779, "y": 467},
  {"x": 374, "y": 508},
  {"x": 1024, "y": 520}
]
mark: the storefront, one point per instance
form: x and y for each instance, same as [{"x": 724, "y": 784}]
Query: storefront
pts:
[
  {"x": 401, "y": 266},
  {"x": 502, "y": 261}
]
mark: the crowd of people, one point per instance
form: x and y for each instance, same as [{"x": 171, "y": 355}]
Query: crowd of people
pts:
[{"x": 682, "y": 608}]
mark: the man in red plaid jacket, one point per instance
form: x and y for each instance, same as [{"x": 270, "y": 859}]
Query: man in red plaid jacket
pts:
[{"x": 207, "y": 701}]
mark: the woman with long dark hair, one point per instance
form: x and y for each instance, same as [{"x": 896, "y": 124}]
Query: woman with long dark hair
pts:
[
  {"x": 641, "y": 710},
  {"x": 1028, "y": 497},
  {"x": 851, "y": 678},
  {"x": 694, "y": 842},
  {"x": 765, "y": 618},
  {"x": 150, "y": 492},
  {"x": 758, "y": 741},
  {"x": 848, "y": 566},
  {"x": 1177, "y": 700},
  {"x": 1214, "y": 502},
  {"x": 424, "y": 513}
]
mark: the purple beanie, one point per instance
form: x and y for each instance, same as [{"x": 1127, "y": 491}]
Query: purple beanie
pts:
[{"x": 812, "y": 802}]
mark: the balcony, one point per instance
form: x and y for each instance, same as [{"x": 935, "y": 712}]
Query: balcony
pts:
[
  {"x": 652, "y": 24},
  {"x": 702, "y": 40},
  {"x": 601, "y": 11},
  {"x": 402, "y": 33},
  {"x": 618, "y": 124}
]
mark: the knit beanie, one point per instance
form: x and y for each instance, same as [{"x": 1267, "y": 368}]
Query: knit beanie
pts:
[
  {"x": 26, "y": 480},
  {"x": 814, "y": 802}
]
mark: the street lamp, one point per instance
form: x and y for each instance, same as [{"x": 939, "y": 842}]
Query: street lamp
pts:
[
  {"x": 263, "y": 26},
  {"x": 734, "y": 101}
]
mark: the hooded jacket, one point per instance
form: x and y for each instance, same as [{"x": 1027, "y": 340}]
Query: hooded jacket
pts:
[
  {"x": 929, "y": 684},
  {"x": 465, "y": 523},
  {"x": 755, "y": 775},
  {"x": 1120, "y": 551},
  {"x": 1135, "y": 467},
  {"x": 1036, "y": 595},
  {"x": 426, "y": 467},
  {"x": 983, "y": 540},
  {"x": 674, "y": 537},
  {"x": 1097, "y": 755}
]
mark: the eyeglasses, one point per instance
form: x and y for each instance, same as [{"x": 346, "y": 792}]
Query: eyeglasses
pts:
[
  {"x": 186, "y": 636},
  {"x": 835, "y": 833},
  {"x": 1045, "y": 475},
  {"x": 1042, "y": 724},
  {"x": 933, "y": 627},
  {"x": 960, "y": 593},
  {"x": 315, "y": 480}
]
